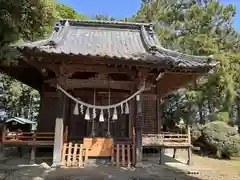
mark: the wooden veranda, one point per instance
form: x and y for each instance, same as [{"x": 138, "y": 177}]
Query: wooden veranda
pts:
[{"x": 168, "y": 140}]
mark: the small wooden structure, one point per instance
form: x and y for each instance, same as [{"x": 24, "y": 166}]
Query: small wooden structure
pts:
[
  {"x": 76, "y": 155},
  {"x": 98, "y": 64},
  {"x": 168, "y": 141},
  {"x": 19, "y": 124},
  {"x": 73, "y": 155}
]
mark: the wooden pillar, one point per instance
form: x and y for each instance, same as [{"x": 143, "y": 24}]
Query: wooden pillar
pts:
[
  {"x": 161, "y": 154},
  {"x": 190, "y": 147},
  {"x": 138, "y": 128},
  {"x": 33, "y": 155},
  {"x": 2, "y": 152},
  {"x": 20, "y": 151},
  {"x": 59, "y": 126},
  {"x": 174, "y": 153},
  {"x": 159, "y": 109},
  {"x": 132, "y": 115}
]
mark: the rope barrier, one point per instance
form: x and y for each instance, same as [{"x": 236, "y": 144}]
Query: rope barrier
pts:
[{"x": 102, "y": 107}]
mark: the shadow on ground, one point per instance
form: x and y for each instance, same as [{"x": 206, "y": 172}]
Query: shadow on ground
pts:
[{"x": 148, "y": 170}]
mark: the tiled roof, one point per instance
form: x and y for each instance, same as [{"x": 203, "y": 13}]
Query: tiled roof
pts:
[{"x": 121, "y": 40}]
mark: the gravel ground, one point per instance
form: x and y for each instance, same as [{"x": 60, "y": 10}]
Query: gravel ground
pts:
[{"x": 207, "y": 169}]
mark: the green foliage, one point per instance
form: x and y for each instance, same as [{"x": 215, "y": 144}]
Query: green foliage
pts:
[
  {"x": 196, "y": 132},
  {"x": 219, "y": 116},
  {"x": 67, "y": 12},
  {"x": 102, "y": 17},
  {"x": 199, "y": 28},
  {"x": 19, "y": 99},
  {"x": 223, "y": 138},
  {"x": 23, "y": 19}
]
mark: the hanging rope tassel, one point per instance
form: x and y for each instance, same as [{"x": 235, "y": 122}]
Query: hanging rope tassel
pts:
[
  {"x": 94, "y": 113},
  {"x": 126, "y": 108},
  {"x": 87, "y": 115},
  {"x": 76, "y": 110},
  {"x": 81, "y": 109},
  {"x": 122, "y": 109},
  {"x": 101, "y": 118},
  {"x": 115, "y": 117}
]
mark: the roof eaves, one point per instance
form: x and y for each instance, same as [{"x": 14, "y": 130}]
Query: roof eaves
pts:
[
  {"x": 25, "y": 120},
  {"x": 14, "y": 119},
  {"x": 177, "y": 59}
]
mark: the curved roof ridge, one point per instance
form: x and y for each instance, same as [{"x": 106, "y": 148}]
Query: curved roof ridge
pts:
[
  {"x": 156, "y": 45},
  {"x": 51, "y": 40},
  {"x": 104, "y": 23},
  {"x": 137, "y": 42}
]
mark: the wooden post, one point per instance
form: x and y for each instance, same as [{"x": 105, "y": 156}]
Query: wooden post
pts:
[
  {"x": 33, "y": 150},
  {"x": 138, "y": 128},
  {"x": 159, "y": 110},
  {"x": 33, "y": 155},
  {"x": 161, "y": 154},
  {"x": 174, "y": 152},
  {"x": 58, "y": 138},
  {"x": 2, "y": 153},
  {"x": 190, "y": 147}
]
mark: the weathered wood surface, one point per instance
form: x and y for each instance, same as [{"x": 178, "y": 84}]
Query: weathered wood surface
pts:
[
  {"x": 72, "y": 68},
  {"x": 166, "y": 140},
  {"x": 86, "y": 83},
  {"x": 98, "y": 147},
  {"x": 28, "y": 138},
  {"x": 73, "y": 155},
  {"x": 122, "y": 155}
]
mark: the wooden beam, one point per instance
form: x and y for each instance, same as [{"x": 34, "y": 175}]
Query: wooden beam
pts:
[
  {"x": 77, "y": 83},
  {"x": 72, "y": 68},
  {"x": 102, "y": 84}
]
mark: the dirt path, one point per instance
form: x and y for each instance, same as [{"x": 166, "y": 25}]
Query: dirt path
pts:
[
  {"x": 214, "y": 169},
  {"x": 209, "y": 169}
]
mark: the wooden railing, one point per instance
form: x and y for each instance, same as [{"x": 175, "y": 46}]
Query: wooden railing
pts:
[
  {"x": 74, "y": 155},
  {"x": 28, "y": 138},
  {"x": 123, "y": 155},
  {"x": 166, "y": 139}
]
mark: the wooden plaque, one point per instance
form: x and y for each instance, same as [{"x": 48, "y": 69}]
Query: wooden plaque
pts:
[{"x": 98, "y": 147}]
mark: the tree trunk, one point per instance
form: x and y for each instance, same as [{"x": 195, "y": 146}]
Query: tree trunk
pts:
[
  {"x": 228, "y": 107},
  {"x": 210, "y": 108},
  {"x": 238, "y": 114},
  {"x": 200, "y": 106},
  {"x": 200, "y": 111}
]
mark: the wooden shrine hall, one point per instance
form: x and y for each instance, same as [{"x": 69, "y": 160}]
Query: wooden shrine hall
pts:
[{"x": 101, "y": 85}]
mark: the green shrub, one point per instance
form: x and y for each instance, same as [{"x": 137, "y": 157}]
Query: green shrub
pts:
[
  {"x": 223, "y": 139},
  {"x": 196, "y": 132},
  {"x": 219, "y": 116}
]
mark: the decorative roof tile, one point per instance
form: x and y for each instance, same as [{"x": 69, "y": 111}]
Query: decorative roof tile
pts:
[{"x": 115, "y": 40}]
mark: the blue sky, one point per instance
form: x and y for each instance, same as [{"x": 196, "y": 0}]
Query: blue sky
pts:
[{"x": 124, "y": 8}]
